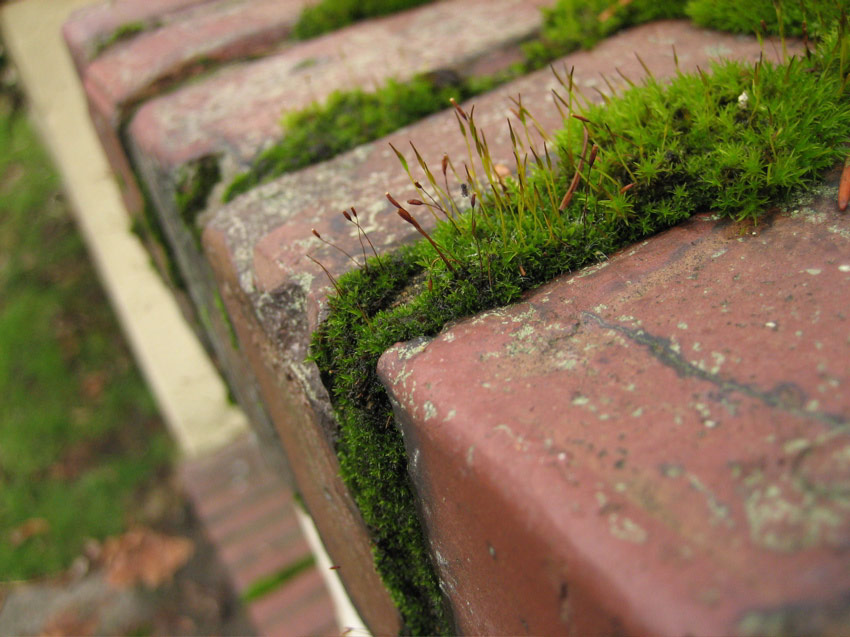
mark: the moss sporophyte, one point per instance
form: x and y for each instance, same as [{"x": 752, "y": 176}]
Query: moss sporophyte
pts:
[{"x": 736, "y": 139}]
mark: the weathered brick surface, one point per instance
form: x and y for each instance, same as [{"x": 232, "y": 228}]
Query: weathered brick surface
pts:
[
  {"x": 173, "y": 46},
  {"x": 93, "y": 26},
  {"x": 257, "y": 246},
  {"x": 237, "y": 111},
  {"x": 655, "y": 445}
]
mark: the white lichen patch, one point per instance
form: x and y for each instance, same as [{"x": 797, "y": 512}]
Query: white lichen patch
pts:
[
  {"x": 844, "y": 267},
  {"x": 430, "y": 411},
  {"x": 682, "y": 325},
  {"x": 813, "y": 271},
  {"x": 626, "y": 529}
]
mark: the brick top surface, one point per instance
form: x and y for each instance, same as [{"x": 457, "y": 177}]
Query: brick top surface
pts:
[
  {"x": 90, "y": 27},
  {"x": 674, "y": 420},
  {"x": 268, "y": 231},
  {"x": 238, "y": 110},
  {"x": 141, "y": 66}
]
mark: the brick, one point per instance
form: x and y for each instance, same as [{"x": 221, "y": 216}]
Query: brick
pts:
[
  {"x": 654, "y": 445},
  {"x": 277, "y": 556},
  {"x": 275, "y": 296},
  {"x": 90, "y": 27},
  {"x": 250, "y": 547},
  {"x": 173, "y": 47},
  {"x": 232, "y": 113},
  {"x": 289, "y": 599},
  {"x": 237, "y": 468},
  {"x": 238, "y": 110},
  {"x": 268, "y": 510},
  {"x": 315, "y": 618}
]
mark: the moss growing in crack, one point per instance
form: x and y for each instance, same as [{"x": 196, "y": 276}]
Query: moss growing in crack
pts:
[
  {"x": 569, "y": 25},
  {"x": 329, "y": 15},
  {"x": 124, "y": 32},
  {"x": 735, "y": 141},
  {"x": 194, "y": 184},
  {"x": 347, "y": 120}
]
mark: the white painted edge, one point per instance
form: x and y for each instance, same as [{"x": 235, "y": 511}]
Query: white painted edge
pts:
[
  {"x": 191, "y": 395},
  {"x": 347, "y": 617}
]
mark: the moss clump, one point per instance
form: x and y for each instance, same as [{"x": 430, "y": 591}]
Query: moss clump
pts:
[
  {"x": 194, "y": 184},
  {"x": 329, "y": 15},
  {"x": 787, "y": 18},
  {"x": 347, "y": 120},
  {"x": 735, "y": 141},
  {"x": 569, "y": 25}
]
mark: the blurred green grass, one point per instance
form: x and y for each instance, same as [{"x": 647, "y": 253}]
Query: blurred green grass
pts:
[{"x": 79, "y": 434}]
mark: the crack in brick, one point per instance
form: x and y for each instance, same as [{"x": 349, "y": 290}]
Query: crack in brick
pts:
[{"x": 784, "y": 396}]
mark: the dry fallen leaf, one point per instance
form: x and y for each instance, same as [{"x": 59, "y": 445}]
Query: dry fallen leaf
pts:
[
  {"x": 30, "y": 528},
  {"x": 143, "y": 555}
]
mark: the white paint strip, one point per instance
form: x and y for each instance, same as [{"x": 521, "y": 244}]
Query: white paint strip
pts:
[{"x": 189, "y": 392}]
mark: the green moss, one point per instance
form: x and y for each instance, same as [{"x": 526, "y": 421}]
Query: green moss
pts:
[
  {"x": 329, "y": 15},
  {"x": 351, "y": 118},
  {"x": 347, "y": 120},
  {"x": 735, "y": 141},
  {"x": 124, "y": 32},
  {"x": 569, "y": 25},
  {"x": 784, "y": 17},
  {"x": 194, "y": 184}
]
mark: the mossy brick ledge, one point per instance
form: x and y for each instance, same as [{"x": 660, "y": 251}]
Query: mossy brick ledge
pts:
[
  {"x": 162, "y": 44},
  {"x": 276, "y": 296},
  {"x": 653, "y": 445}
]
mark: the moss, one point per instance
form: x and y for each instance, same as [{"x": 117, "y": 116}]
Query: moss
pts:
[
  {"x": 569, "y": 25},
  {"x": 347, "y": 120},
  {"x": 194, "y": 184},
  {"x": 736, "y": 141},
  {"x": 124, "y": 32},
  {"x": 329, "y": 15},
  {"x": 351, "y": 118},
  {"x": 784, "y": 17}
]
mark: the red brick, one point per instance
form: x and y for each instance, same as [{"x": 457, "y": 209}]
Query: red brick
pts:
[
  {"x": 90, "y": 27},
  {"x": 655, "y": 445},
  {"x": 173, "y": 48},
  {"x": 275, "y": 296},
  {"x": 238, "y": 109},
  {"x": 277, "y": 556},
  {"x": 270, "y": 509},
  {"x": 288, "y": 599},
  {"x": 137, "y": 68},
  {"x": 248, "y": 548},
  {"x": 315, "y": 619}
]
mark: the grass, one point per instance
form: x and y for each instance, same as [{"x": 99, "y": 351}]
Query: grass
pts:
[
  {"x": 736, "y": 140},
  {"x": 270, "y": 583},
  {"x": 79, "y": 434}
]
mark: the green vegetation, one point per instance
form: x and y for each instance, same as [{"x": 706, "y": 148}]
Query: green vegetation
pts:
[
  {"x": 79, "y": 434},
  {"x": 266, "y": 585},
  {"x": 329, "y": 15},
  {"x": 348, "y": 119},
  {"x": 735, "y": 141},
  {"x": 195, "y": 182}
]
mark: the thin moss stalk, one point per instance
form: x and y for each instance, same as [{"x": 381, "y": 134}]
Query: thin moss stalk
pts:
[{"x": 736, "y": 141}]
